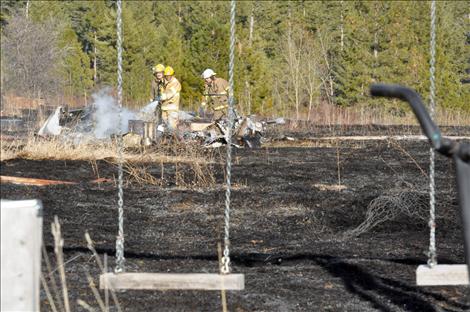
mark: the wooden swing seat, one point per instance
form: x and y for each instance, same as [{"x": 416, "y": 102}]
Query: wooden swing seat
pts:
[
  {"x": 172, "y": 281},
  {"x": 442, "y": 275}
]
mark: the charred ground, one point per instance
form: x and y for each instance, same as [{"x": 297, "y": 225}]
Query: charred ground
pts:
[{"x": 288, "y": 222}]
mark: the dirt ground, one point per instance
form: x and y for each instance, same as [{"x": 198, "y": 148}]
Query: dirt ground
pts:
[{"x": 287, "y": 228}]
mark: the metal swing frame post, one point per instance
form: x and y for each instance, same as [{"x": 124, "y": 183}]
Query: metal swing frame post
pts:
[{"x": 462, "y": 163}]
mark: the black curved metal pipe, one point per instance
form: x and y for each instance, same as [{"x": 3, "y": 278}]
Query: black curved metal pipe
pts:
[
  {"x": 396, "y": 91},
  {"x": 459, "y": 152}
]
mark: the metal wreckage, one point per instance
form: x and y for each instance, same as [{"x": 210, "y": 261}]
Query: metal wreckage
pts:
[{"x": 146, "y": 127}]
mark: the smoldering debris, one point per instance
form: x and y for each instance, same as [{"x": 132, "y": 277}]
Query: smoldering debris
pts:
[
  {"x": 52, "y": 125},
  {"x": 104, "y": 118},
  {"x": 100, "y": 120}
]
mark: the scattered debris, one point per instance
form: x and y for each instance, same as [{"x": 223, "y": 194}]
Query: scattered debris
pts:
[
  {"x": 10, "y": 124},
  {"x": 103, "y": 119},
  {"x": 52, "y": 124}
]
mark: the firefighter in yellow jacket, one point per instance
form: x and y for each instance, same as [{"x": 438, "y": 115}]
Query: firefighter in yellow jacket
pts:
[
  {"x": 215, "y": 94},
  {"x": 170, "y": 98},
  {"x": 158, "y": 81}
]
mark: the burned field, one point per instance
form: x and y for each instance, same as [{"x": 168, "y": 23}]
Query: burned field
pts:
[{"x": 295, "y": 217}]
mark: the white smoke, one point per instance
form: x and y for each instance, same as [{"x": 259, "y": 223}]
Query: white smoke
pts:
[
  {"x": 105, "y": 116},
  {"x": 149, "y": 108},
  {"x": 101, "y": 119}
]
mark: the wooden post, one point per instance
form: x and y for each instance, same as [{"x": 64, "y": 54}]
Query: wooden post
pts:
[{"x": 21, "y": 230}]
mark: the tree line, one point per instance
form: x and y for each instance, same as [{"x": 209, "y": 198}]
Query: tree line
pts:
[{"x": 290, "y": 55}]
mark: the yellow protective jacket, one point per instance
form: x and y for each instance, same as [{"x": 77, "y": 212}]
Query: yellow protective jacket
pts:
[
  {"x": 157, "y": 87},
  {"x": 171, "y": 95},
  {"x": 216, "y": 94}
]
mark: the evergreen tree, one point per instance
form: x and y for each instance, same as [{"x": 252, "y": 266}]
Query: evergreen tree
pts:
[
  {"x": 75, "y": 67},
  {"x": 344, "y": 46},
  {"x": 452, "y": 54}
]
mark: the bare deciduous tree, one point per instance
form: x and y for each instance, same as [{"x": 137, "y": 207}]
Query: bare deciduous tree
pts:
[
  {"x": 326, "y": 75},
  {"x": 30, "y": 57},
  {"x": 308, "y": 66},
  {"x": 311, "y": 72},
  {"x": 293, "y": 49}
]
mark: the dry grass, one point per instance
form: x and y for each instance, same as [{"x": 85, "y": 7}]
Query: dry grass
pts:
[
  {"x": 315, "y": 142},
  {"x": 328, "y": 114},
  {"x": 8, "y": 151},
  {"x": 140, "y": 174},
  {"x": 35, "y": 148},
  {"x": 400, "y": 148},
  {"x": 192, "y": 164},
  {"x": 104, "y": 269},
  {"x": 54, "y": 149},
  {"x": 58, "y": 297}
]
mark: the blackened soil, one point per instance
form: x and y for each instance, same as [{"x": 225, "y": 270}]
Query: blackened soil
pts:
[{"x": 286, "y": 223}]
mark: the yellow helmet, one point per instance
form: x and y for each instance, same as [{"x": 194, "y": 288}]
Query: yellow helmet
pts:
[
  {"x": 158, "y": 68},
  {"x": 169, "y": 71}
]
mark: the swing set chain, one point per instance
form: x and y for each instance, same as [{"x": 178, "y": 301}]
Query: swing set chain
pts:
[
  {"x": 120, "y": 238},
  {"x": 432, "y": 254},
  {"x": 225, "y": 268}
]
